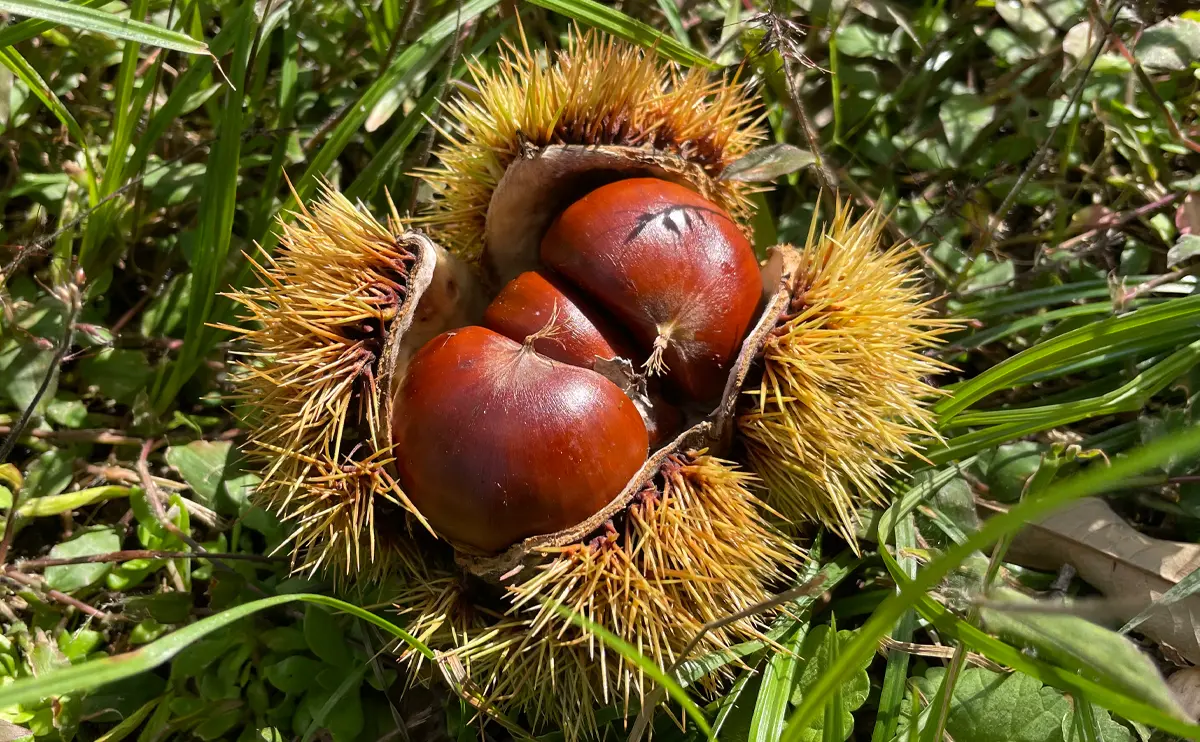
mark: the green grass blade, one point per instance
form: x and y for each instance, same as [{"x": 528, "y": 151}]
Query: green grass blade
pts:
[
  {"x": 895, "y": 674},
  {"x": 218, "y": 204},
  {"x": 1025, "y": 301},
  {"x": 289, "y": 94},
  {"x": 612, "y": 21},
  {"x": 1093, "y": 481},
  {"x": 318, "y": 719},
  {"x": 775, "y": 692},
  {"x": 183, "y": 89},
  {"x": 419, "y": 55},
  {"x": 1085, "y": 722},
  {"x": 1161, "y": 320},
  {"x": 671, "y": 12},
  {"x": 1008, "y": 329},
  {"x": 96, "y": 673},
  {"x": 28, "y": 75},
  {"x": 27, "y": 29},
  {"x": 1129, "y": 397},
  {"x": 1018, "y": 423},
  {"x": 1139, "y": 327},
  {"x": 643, "y": 663},
  {"x": 97, "y": 21},
  {"x": 127, "y": 108}
]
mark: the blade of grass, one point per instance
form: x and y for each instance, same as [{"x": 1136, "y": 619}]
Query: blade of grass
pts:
[
  {"x": 832, "y": 730},
  {"x": 127, "y": 109},
  {"x": 895, "y": 674},
  {"x": 775, "y": 692},
  {"x": 614, "y": 22},
  {"x": 1129, "y": 397},
  {"x": 184, "y": 88},
  {"x": 1085, "y": 721},
  {"x": 1008, "y": 329},
  {"x": 109, "y": 24},
  {"x": 289, "y": 93},
  {"x": 1160, "y": 320},
  {"x": 389, "y": 156},
  {"x": 1092, "y": 481},
  {"x": 418, "y": 55},
  {"x": 27, "y": 29},
  {"x": 318, "y": 719},
  {"x": 218, "y": 204},
  {"x": 671, "y": 12},
  {"x": 643, "y": 663},
  {"x": 28, "y": 75},
  {"x": 96, "y": 673}
]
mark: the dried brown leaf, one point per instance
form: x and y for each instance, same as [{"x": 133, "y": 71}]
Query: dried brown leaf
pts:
[{"x": 1130, "y": 568}]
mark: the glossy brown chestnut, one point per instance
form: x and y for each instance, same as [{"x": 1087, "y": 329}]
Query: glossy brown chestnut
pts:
[
  {"x": 671, "y": 266},
  {"x": 498, "y": 443},
  {"x": 581, "y": 333}
]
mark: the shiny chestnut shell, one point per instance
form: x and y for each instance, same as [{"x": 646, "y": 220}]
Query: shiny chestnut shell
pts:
[
  {"x": 498, "y": 443},
  {"x": 669, "y": 265},
  {"x": 581, "y": 332}
]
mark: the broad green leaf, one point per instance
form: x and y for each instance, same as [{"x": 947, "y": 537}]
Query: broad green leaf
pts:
[
  {"x": 1007, "y": 469},
  {"x": 75, "y": 576},
  {"x": 49, "y": 474},
  {"x": 166, "y": 608},
  {"x": 1081, "y": 646},
  {"x": 1169, "y": 45},
  {"x": 1186, "y": 248},
  {"x": 964, "y": 117},
  {"x": 856, "y": 40},
  {"x": 820, "y": 655},
  {"x": 293, "y": 675},
  {"x": 69, "y": 413},
  {"x": 78, "y": 645},
  {"x": 25, "y": 362},
  {"x": 98, "y": 21},
  {"x": 768, "y": 163},
  {"x": 210, "y": 468},
  {"x": 990, "y": 707},
  {"x": 118, "y": 374},
  {"x": 324, "y": 637}
]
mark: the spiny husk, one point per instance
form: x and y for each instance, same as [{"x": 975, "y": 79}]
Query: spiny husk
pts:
[
  {"x": 597, "y": 92},
  {"x": 844, "y": 386},
  {"x": 696, "y": 547},
  {"x": 317, "y": 324}
]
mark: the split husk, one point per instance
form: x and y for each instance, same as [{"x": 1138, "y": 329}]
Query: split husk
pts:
[{"x": 693, "y": 537}]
